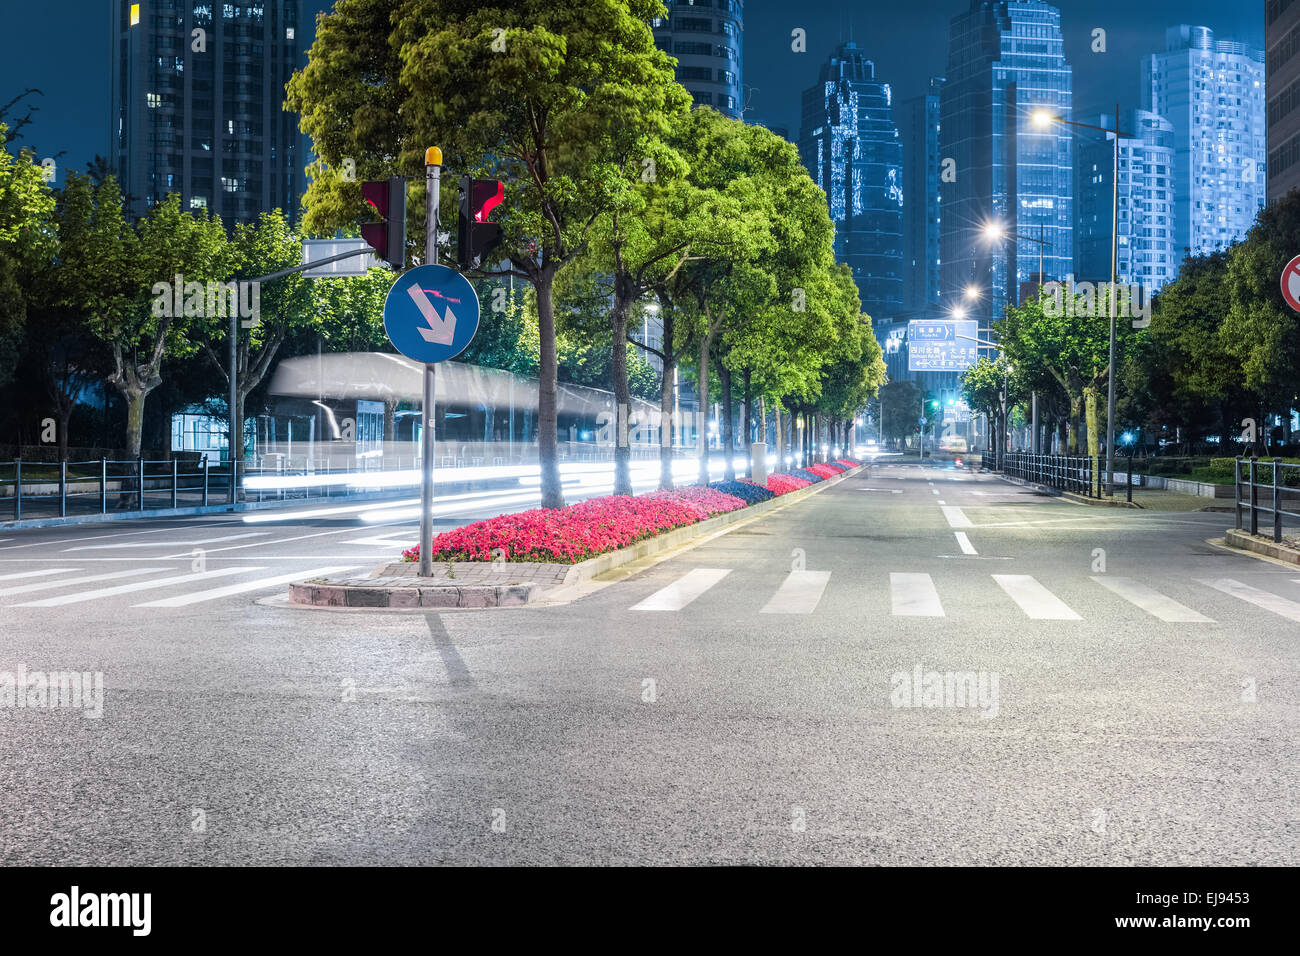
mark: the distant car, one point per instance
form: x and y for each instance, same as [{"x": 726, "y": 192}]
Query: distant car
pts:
[{"x": 954, "y": 444}]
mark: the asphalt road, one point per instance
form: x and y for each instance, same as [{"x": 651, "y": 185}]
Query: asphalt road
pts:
[{"x": 775, "y": 694}]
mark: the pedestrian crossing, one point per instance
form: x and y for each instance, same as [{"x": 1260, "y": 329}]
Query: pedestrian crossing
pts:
[
  {"x": 918, "y": 594},
  {"x": 177, "y": 589}
]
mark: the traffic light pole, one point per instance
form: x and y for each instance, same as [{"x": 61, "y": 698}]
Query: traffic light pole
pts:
[{"x": 432, "y": 180}]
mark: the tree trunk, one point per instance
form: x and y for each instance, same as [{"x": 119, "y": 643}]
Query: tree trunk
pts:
[
  {"x": 1090, "y": 415},
  {"x": 548, "y": 394},
  {"x": 702, "y": 390},
  {"x": 728, "y": 427},
  {"x": 780, "y": 442},
  {"x": 667, "y": 423},
  {"x": 135, "y": 398},
  {"x": 747, "y": 425},
  {"x": 622, "y": 394},
  {"x": 1076, "y": 402}
]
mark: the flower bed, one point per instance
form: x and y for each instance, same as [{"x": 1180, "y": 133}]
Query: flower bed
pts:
[
  {"x": 782, "y": 484},
  {"x": 825, "y": 471},
  {"x": 805, "y": 474},
  {"x": 597, "y": 525},
  {"x": 747, "y": 491},
  {"x": 847, "y": 462}
]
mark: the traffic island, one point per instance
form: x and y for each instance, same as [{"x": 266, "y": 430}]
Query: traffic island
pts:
[{"x": 487, "y": 584}]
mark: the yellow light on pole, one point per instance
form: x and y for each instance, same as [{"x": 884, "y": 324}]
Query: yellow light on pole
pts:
[
  {"x": 433, "y": 156},
  {"x": 135, "y": 14}
]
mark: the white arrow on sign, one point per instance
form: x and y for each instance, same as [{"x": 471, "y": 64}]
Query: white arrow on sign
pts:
[{"x": 440, "y": 331}]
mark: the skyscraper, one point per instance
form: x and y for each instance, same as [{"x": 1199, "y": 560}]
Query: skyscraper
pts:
[
  {"x": 1006, "y": 59},
  {"x": 197, "y": 105},
  {"x": 849, "y": 144},
  {"x": 918, "y": 130},
  {"x": 1212, "y": 91},
  {"x": 1282, "y": 66},
  {"x": 704, "y": 36},
  {"x": 1146, "y": 253}
]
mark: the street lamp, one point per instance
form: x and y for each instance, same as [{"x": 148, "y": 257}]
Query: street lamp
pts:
[
  {"x": 1043, "y": 120},
  {"x": 995, "y": 230}
]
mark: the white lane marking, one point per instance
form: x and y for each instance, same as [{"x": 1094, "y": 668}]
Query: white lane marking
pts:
[
  {"x": 913, "y": 595},
  {"x": 37, "y": 574},
  {"x": 168, "y": 544},
  {"x": 211, "y": 595},
  {"x": 391, "y": 541},
  {"x": 137, "y": 586},
  {"x": 1265, "y": 599},
  {"x": 121, "y": 534},
  {"x": 321, "y": 512},
  {"x": 682, "y": 591},
  {"x": 942, "y": 502},
  {"x": 279, "y": 541},
  {"x": 956, "y": 517},
  {"x": 799, "y": 593},
  {"x": 966, "y": 546},
  {"x": 1152, "y": 601},
  {"x": 1034, "y": 599},
  {"x": 51, "y": 585}
]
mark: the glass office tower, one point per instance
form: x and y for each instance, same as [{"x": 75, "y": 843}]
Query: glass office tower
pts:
[
  {"x": 705, "y": 38},
  {"x": 1005, "y": 61},
  {"x": 918, "y": 130},
  {"x": 1212, "y": 91},
  {"x": 1146, "y": 253},
  {"x": 850, "y": 146},
  {"x": 197, "y": 105}
]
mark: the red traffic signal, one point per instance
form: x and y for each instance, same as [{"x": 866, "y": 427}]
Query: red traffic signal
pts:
[
  {"x": 475, "y": 236},
  {"x": 388, "y": 236}
]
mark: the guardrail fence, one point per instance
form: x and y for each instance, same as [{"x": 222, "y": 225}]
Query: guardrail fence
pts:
[
  {"x": 1079, "y": 474},
  {"x": 1275, "y": 482}
]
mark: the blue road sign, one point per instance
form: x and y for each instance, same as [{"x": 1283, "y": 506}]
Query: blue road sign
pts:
[
  {"x": 431, "y": 313},
  {"x": 941, "y": 346}
]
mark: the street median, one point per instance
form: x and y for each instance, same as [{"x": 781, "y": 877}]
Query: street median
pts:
[{"x": 502, "y": 583}]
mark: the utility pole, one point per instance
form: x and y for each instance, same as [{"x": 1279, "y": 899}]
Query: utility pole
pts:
[{"x": 432, "y": 181}]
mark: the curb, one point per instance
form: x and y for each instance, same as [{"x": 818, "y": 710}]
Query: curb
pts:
[
  {"x": 398, "y": 593},
  {"x": 1244, "y": 541}
]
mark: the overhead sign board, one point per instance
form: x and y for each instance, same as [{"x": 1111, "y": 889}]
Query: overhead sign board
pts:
[
  {"x": 431, "y": 314},
  {"x": 313, "y": 250},
  {"x": 938, "y": 345}
]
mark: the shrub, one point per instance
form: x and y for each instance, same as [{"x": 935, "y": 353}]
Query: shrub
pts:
[
  {"x": 749, "y": 492},
  {"x": 825, "y": 471},
  {"x": 781, "y": 484},
  {"x": 806, "y": 475}
]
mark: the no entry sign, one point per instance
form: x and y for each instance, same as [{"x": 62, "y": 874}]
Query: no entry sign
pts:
[{"x": 1291, "y": 283}]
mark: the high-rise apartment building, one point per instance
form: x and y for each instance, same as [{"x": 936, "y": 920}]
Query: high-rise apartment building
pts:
[
  {"x": 850, "y": 147},
  {"x": 1282, "y": 82},
  {"x": 918, "y": 130},
  {"x": 1006, "y": 61},
  {"x": 197, "y": 105},
  {"x": 1212, "y": 92},
  {"x": 1146, "y": 253},
  {"x": 705, "y": 38}
]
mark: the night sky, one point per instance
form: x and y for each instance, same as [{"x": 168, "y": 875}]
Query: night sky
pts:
[{"x": 66, "y": 54}]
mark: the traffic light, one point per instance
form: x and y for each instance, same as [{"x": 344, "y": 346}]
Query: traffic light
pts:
[
  {"x": 388, "y": 236},
  {"x": 475, "y": 236}
]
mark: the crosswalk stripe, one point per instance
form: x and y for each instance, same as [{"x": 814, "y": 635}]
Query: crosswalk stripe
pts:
[
  {"x": 683, "y": 591},
  {"x": 913, "y": 595},
  {"x": 1152, "y": 601},
  {"x": 1034, "y": 599},
  {"x": 966, "y": 546},
  {"x": 36, "y": 574},
  {"x": 956, "y": 517},
  {"x": 137, "y": 586},
  {"x": 65, "y": 582},
  {"x": 799, "y": 593},
  {"x": 1265, "y": 599},
  {"x": 181, "y": 600}
]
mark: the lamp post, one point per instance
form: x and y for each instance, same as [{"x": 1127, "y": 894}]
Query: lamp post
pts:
[
  {"x": 995, "y": 230},
  {"x": 1043, "y": 119}
]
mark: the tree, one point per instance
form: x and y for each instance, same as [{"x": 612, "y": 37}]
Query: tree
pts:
[
  {"x": 559, "y": 95},
  {"x": 26, "y": 206},
  {"x": 995, "y": 387}
]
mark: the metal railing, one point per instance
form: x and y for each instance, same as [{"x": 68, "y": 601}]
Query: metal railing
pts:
[
  {"x": 1079, "y": 474},
  {"x": 1279, "y": 482},
  {"x": 48, "y": 489}
]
